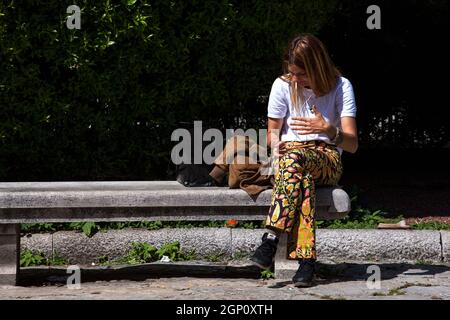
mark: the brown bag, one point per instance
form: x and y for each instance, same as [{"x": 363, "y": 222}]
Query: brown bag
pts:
[{"x": 234, "y": 164}]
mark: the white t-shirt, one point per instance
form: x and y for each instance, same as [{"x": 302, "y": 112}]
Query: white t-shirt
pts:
[{"x": 339, "y": 102}]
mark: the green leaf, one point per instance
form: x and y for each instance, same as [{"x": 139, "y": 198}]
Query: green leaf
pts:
[
  {"x": 29, "y": 258},
  {"x": 89, "y": 228}
]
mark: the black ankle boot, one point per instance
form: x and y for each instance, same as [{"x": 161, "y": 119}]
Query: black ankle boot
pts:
[
  {"x": 305, "y": 273},
  {"x": 265, "y": 253}
]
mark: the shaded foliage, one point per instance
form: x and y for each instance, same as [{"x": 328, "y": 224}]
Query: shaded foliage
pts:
[{"x": 101, "y": 103}]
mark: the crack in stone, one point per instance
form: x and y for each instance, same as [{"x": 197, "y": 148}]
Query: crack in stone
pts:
[{"x": 442, "y": 246}]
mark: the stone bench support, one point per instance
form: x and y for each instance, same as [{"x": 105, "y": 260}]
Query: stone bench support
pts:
[{"x": 37, "y": 202}]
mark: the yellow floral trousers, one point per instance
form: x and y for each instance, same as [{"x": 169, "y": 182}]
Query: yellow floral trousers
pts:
[{"x": 303, "y": 166}]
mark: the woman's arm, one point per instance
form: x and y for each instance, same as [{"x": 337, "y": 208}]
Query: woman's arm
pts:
[
  {"x": 319, "y": 125},
  {"x": 274, "y": 126},
  {"x": 349, "y": 134}
]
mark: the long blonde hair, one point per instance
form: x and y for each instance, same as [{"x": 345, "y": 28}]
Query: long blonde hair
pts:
[{"x": 308, "y": 52}]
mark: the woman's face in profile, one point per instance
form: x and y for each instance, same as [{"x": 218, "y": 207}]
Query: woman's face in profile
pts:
[{"x": 298, "y": 75}]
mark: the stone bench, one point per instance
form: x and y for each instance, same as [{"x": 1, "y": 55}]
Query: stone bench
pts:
[{"x": 36, "y": 202}]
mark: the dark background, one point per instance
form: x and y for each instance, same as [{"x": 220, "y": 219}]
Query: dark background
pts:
[
  {"x": 398, "y": 76},
  {"x": 101, "y": 103}
]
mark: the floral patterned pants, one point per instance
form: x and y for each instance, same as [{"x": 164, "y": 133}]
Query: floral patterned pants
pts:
[{"x": 303, "y": 166}]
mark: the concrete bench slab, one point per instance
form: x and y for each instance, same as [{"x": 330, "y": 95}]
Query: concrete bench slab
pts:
[{"x": 30, "y": 202}]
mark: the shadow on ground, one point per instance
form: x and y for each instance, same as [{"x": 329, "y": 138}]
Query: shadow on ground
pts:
[
  {"x": 39, "y": 276},
  {"x": 325, "y": 273},
  {"x": 345, "y": 272}
]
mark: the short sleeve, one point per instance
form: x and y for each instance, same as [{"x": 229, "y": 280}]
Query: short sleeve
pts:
[
  {"x": 345, "y": 100},
  {"x": 278, "y": 105}
]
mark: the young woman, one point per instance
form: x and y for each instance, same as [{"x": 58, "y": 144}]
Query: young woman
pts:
[{"x": 311, "y": 120}]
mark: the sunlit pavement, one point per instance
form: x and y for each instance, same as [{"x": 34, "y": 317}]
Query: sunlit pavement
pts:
[{"x": 340, "y": 281}]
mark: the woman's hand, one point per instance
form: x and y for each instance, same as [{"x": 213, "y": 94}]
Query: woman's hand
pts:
[
  {"x": 313, "y": 125},
  {"x": 279, "y": 149}
]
